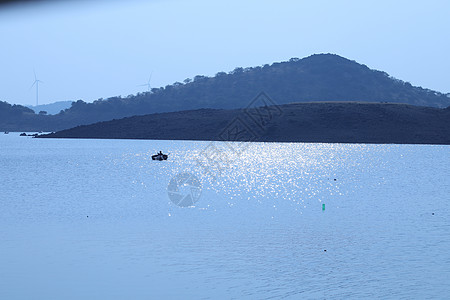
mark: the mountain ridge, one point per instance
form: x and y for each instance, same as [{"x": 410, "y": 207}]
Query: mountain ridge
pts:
[
  {"x": 51, "y": 108},
  {"x": 319, "y": 77}
]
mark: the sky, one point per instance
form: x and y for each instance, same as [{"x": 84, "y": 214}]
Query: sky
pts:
[{"x": 98, "y": 49}]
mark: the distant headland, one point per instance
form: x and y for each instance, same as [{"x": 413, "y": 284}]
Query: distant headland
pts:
[{"x": 327, "y": 122}]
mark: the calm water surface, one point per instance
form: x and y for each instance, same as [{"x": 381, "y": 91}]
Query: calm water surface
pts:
[{"x": 91, "y": 219}]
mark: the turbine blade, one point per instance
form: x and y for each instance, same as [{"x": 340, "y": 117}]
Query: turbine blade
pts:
[{"x": 32, "y": 85}]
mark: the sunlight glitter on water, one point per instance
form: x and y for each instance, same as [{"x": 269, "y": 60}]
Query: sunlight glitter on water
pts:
[
  {"x": 294, "y": 173},
  {"x": 290, "y": 176}
]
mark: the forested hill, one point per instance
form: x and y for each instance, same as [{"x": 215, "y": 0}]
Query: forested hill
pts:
[{"x": 321, "y": 77}]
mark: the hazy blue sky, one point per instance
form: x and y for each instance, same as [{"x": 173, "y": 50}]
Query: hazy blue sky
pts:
[{"x": 101, "y": 49}]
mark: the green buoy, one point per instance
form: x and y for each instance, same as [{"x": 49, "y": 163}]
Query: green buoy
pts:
[{"x": 323, "y": 206}]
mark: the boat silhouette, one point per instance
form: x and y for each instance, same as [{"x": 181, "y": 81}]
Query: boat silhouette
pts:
[{"x": 160, "y": 156}]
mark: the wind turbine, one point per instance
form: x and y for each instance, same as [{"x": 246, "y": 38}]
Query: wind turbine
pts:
[
  {"x": 36, "y": 83},
  {"x": 148, "y": 83}
]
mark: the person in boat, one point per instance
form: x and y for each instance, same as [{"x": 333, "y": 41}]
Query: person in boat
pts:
[{"x": 160, "y": 153}]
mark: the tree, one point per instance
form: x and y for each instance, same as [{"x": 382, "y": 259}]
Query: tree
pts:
[
  {"x": 237, "y": 70},
  {"x": 200, "y": 78}
]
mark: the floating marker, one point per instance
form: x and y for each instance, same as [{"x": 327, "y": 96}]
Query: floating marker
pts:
[{"x": 323, "y": 206}]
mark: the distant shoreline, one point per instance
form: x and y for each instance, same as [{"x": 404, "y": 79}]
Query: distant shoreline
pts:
[{"x": 325, "y": 122}]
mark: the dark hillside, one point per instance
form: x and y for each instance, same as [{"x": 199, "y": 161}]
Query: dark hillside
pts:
[{"x": 298, "y": 122}]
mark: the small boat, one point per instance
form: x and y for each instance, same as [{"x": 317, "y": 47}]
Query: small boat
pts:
[
  {"x": 6, "y": 132},
  {"x": 160, "y": 156}
]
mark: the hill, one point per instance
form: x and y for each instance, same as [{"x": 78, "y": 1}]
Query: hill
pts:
[
  {"x": 322, "y": 77},
  {"x": 11, "y": 115},
  {"x": 52, "y": 108},
  {"x": 298, "y": 122}
]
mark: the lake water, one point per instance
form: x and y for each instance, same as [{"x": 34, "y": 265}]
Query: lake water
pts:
[{"x": 92, "y": 219}]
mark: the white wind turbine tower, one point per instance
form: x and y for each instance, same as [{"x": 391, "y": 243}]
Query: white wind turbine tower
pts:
[
  {"x": 36, "y": 83},
  {"x": 148, "y": 83}
]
